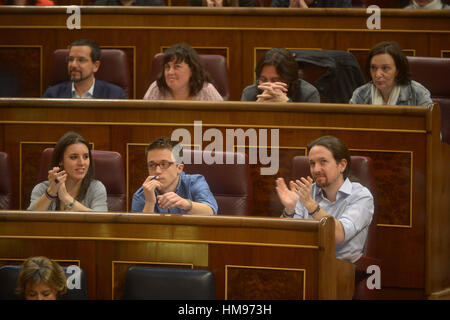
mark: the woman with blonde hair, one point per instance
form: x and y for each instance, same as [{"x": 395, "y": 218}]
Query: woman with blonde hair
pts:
[{"x": 41, "y": 279}]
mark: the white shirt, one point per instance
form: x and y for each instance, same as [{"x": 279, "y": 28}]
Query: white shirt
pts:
[
  {"x": 354, "y": 208},
  {"x": 87, "y": 95}
]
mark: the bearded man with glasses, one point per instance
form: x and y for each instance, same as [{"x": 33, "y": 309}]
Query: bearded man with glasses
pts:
[
  {"x": 167, "y": 188},
  {"x": 82, "y": 64}
]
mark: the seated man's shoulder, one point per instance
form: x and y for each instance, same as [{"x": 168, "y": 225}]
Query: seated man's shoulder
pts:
[
  {"x": 360, "y": 190},
  {"x": 139, "y": 192},
  {"x": 194, "y": 178},
  {"x": 108, "y": 90},
  {"x": 249, "y": 93},
  {"x": 60, "y": 90}
]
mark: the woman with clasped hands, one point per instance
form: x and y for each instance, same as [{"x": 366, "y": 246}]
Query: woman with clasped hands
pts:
[
  {"x": 183, "y": 77},
  {"x": 70, "y": 184}
]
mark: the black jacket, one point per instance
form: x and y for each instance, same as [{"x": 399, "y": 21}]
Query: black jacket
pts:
[
  {"x": 342, "y": 76},
  {"x": 102, "y": 90}
]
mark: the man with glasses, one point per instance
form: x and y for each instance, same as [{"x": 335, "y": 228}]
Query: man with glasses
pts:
[
  {"x": 82, "y": 64},
  {"x": 167, "y": 188}
]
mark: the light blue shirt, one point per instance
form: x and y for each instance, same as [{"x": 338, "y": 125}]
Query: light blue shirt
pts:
[
  {"x": 354, "y": 208},
  {"x": 190, "y": 186}
]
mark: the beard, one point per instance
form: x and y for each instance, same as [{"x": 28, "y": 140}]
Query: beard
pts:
[
  {"x": 323, "y": 182},
  {"x": 75, "y": 78}
]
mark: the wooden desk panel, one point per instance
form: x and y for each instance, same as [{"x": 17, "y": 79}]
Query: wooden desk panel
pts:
[{"x": 106, "y": 244}]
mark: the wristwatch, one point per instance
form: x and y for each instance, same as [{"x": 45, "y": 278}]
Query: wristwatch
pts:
[
  {"x": 288, "y": 215},
  {"x": 190, "y": 203},
  {"x": 317, "y": 209}
]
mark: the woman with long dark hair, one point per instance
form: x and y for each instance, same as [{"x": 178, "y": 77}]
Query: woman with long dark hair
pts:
[
  {"x": 70, "y": 184},
  {"x": 391, "y": 84},
  {"x": 183, "y": 77}
]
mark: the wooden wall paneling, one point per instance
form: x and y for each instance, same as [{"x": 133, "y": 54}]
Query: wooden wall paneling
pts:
[
  {"x": 393, "y": 176},
  {"x": 286, "y": 284},
  {"x": 439, "y": 46},
  {"x": 113, "y": 242},
  {"x": 27, "y": 75},
  {"x": 437, "y": 259},
  {"x": 248, "y": 273}
]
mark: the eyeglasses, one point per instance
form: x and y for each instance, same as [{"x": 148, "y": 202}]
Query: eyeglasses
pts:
[
  {"x": 80, "y": 60},
  {"x": 163, "y": 165}
]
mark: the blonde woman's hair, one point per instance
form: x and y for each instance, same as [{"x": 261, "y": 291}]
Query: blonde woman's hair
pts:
[{"x": 41, "y": 269}]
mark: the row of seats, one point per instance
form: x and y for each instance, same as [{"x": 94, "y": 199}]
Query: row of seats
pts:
[
  {"x": 231, "y": 187},
  {"x": 141, "y": 283},
  {"x": 230, "y": 183},
  {"x": 120, "y": 74},
  {"x": 324, "y": 69},
  {"x": 234, "y": 196},
  {"x": 429, "y": 71}
]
